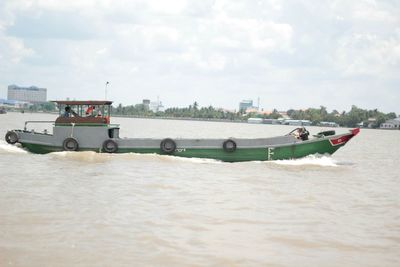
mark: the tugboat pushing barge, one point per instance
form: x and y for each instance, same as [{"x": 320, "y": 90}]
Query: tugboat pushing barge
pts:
[{"x": 85, "y": 126}]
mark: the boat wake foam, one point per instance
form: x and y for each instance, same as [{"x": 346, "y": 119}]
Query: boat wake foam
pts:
[
  {"x": 167, "y": 158},
  {"x": 7, "y": 148},
  {"x": 91, "y": 156},
  {"x": 82, "y": 156},
  {"x": 313, "y": 160},
  {"x": 194, "y": 160}
]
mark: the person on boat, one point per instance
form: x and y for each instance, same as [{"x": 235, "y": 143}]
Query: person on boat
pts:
[
  {"x": 90, "y": 110},
  {"x": 302, "y": 134},
  {"x": 67, "y": 111}
]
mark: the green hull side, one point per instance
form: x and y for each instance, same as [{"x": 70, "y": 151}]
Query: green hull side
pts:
[
  {"x": 241, "y": 154},
  {"x": 302, "y": 150},
  {"x": 40, "y": 149}
]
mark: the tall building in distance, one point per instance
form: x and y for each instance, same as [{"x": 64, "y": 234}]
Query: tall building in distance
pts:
[
  {"x": 146, "y": 104},
  {"x": 156, "y": 106},
  {"x": 30, "y": 94},
  {"x": 245, "y": 104},
  {"x": 153, "y": 106}
]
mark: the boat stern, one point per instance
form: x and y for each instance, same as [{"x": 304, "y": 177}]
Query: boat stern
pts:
[{"x": 33, "y": 141}]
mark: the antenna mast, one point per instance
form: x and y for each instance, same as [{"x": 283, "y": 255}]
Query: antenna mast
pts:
[{"x": 105, "y": 91}]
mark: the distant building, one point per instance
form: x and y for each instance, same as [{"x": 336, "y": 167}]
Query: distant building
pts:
[
  {"x": 273, "y": 121},
  {"x": 153, "y": 106},
  {"x": 245, "y": 104},
  {"x": 30, "y": 94},
  {"x": 255, "y": 120},
  {"x": 146, "y": 104},
  {"x": 391, "y": 124},
  {"x": 371, "y": 122},
  {"x": 328, "y": 124},
  {"x": 264, "y": 121},
  {"x": 156, "y": 106},
  {"x": 297, "y": 122}
]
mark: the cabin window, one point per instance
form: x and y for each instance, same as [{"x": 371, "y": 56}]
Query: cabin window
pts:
[
  {"x": 113, "y": 133},
  {"x": 85, "y": 111}
]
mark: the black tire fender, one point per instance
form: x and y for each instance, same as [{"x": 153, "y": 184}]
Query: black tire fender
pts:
[
  {"x": 168, "y": 145},
  {"x": 229, "y": 145},
  {"x": 110, "y": 146},
  {"x": 70, "y": 144},
  {"x": 11, "y": 137}
]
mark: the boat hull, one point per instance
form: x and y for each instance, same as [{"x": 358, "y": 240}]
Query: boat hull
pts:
[
  {"x": 246, "y": 152},
  {"x": 75, "y": 131}
]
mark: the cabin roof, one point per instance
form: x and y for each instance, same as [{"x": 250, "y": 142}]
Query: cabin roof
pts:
[{"x": 83, "y": 102}]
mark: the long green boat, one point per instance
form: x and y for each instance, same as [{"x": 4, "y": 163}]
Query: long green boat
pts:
[{"x": 85, "y": 126}]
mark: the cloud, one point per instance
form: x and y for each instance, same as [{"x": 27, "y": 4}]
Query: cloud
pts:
[
  {"x": 53, "y": 25},
  {"x": 213, "y": 51},
  {"x": 367, "y": 54},
  {"x": 13, "y": 50},
  {"x": 251, "y": 33}
]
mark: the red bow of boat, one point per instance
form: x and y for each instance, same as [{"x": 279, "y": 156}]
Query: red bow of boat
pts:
[
  {"x": 355, "y": 131},
  {"x": 344, "y": 138}
]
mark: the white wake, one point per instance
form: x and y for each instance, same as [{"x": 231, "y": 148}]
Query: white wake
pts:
[
  {"x": 324, "y": 161},
  {"x": 89, "y": 156},
  {"x": 7, "y": 148}
]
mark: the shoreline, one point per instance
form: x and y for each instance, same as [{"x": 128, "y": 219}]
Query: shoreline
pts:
[
  {"x": 141, "y": 117},
  {"x": 192, "y": 119},
  {"x": 178, "y": 118}
]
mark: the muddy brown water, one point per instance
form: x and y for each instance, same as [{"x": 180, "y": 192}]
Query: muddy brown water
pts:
[{"x": 88, "y": 209}]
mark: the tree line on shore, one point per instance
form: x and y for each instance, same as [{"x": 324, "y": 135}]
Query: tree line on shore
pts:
[
  {"x": 356, "y": 116},
  {"x": 372, "y": 118}
]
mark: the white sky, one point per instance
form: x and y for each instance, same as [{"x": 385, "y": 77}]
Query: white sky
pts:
[{"x": 291, "y": 54}]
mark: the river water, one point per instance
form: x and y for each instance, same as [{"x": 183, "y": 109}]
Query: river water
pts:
[{"x": 87, "y": 209}]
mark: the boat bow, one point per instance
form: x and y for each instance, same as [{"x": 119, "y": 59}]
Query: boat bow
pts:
[{"x": 343, "y": 139}]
